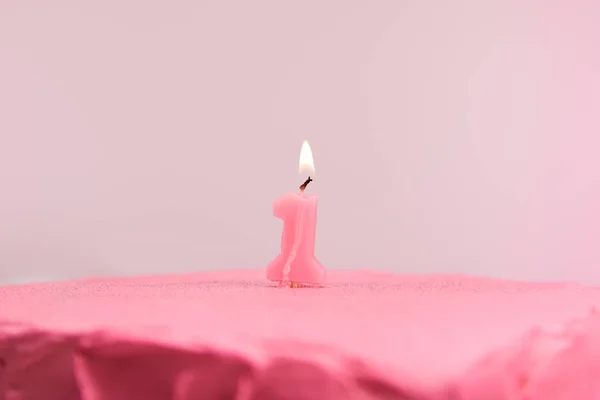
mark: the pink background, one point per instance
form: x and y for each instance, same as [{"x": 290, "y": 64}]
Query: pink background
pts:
[{"x": 152, "y": 137}]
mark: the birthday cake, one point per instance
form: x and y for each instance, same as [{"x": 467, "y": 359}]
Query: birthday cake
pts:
[{"x": 234, "y": 335}]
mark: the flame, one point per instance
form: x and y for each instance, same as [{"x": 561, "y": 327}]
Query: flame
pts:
[{"x": 307, "y": 164}]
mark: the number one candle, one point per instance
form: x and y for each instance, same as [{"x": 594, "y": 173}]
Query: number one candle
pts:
[{"x": 296, "y": 264}]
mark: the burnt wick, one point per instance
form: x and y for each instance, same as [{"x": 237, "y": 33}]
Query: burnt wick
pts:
[{"x": 305, "y": 184}]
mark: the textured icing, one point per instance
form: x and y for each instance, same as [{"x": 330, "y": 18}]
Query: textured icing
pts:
[{"x": 230, "y": 335}]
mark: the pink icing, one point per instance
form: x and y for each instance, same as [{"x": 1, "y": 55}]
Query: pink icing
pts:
[{"x": 230, "y": 335}]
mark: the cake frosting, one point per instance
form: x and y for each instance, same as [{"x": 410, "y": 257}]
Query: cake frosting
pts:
[{"x": 366, "y": 335}]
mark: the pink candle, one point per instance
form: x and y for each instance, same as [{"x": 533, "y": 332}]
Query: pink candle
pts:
[{"x": 297, "y": 264}]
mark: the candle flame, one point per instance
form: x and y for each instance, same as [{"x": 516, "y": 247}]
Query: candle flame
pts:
[{"x": 307, "y": 165}]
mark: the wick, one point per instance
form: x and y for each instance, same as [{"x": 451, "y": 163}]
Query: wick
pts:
[{"x": 305, "y": 184}]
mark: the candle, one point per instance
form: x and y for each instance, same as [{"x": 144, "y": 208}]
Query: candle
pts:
[{"x": 296, "y": 264}]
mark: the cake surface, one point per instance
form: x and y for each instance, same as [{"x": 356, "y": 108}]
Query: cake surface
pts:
[{"x": 233, "y": 335}]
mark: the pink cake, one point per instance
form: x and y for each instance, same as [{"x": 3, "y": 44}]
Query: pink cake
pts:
[{"x": 232, "y": 335}]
